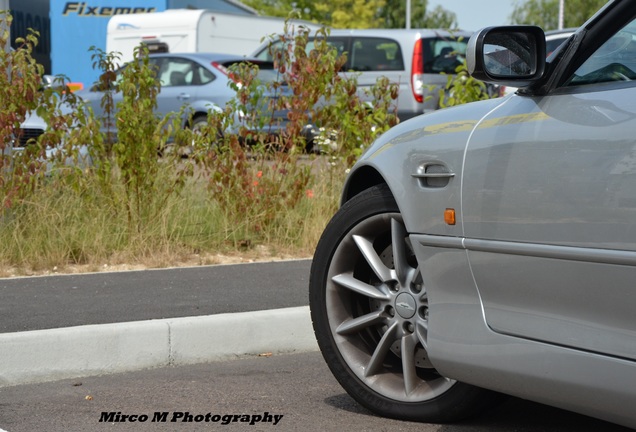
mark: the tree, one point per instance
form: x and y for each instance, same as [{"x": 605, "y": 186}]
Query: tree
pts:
[
  {"x": 440, "y": 18},
  {"x": 352, "y": 13},
  {"x": 394, "y": 15},
  {"x": 359, "y": 13},
  {"x": 332, "y": 13},
  {"x": 545, "y": 13},
  {"x": 305, "y": 9}
]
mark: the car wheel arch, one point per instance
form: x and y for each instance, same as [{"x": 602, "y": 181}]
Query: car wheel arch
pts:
[
  {"x": 195, "y": 118},
  {"x": 360, "y": 180}
]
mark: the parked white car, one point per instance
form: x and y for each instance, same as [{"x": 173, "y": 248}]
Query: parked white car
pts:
[{"x": 31, "y": 129}]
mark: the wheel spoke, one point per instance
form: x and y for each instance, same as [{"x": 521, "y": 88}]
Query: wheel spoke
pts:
[
  {"x": 398, "y": 234},
  {"x": 356, "y": 324},
  {"x": 417, "y": 279},
  {"x": 411, "y": 380},
  {"x": 346, "y": 280},
  {"x": 421, "y": 330},
  {"x": 371, "y": 256},
  {"x": 375, "y": 364}
]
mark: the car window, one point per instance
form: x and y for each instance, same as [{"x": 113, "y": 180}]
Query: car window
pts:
[
  {"x": 339, "y": 44},
  {"x": 443, "y": 54},
  {"x": 266, "y": 70},
  {"x": 553, "y": 44},
  {"x": 364, "y": 54},
  {"x": 615, "y": 60},
  {"x": 269, "y": 53},
  {"x": 268, "y": 75},
  {"x": 183, "y": 72},
  {"x": 202, "y": 76},
  {"x": 375, "y": 54}
]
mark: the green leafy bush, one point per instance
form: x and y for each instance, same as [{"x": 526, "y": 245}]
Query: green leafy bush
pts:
[
  {"x": 140, "y": 199},
  {"x": 21, "y": 93},
  {"x": 462, "y": 88}
]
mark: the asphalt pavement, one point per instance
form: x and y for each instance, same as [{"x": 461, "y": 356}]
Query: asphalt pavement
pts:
[
  {"x": 296, "y": 389},
  {"x": 66, "y": 326},
  {"x": 83, "y": 352},
  {"x": 47, "y": 302}
]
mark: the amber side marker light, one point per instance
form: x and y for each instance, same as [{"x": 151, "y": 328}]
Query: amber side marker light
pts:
[{"x": 449, "y": 216}]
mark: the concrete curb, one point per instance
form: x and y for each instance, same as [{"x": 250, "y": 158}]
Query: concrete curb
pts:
[{"x": 73, "y": 352}]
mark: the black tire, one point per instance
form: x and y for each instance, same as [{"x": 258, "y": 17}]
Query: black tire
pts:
[
  {"x": 200, "y": 121},
  {"x": 200, "y": 125},
  {"x": 365, "y": 319}
]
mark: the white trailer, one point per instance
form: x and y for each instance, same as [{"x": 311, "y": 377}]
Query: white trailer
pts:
[{"x": 191, "y": 30}]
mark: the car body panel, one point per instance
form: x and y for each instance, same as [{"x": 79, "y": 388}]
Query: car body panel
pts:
[
  {"x": 566, "y": 222},
  {"x": 462, "y": 346},
  {"x": 403, "y": 161}
]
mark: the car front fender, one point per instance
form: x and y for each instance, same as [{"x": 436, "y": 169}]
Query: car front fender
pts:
[{"x": 421, "y": 161}]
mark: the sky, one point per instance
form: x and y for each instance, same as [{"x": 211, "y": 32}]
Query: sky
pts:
[{"x": 476, "y": 14}]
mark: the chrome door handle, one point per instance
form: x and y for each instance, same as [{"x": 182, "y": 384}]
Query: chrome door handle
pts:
[{"x": 433, "y": 175}]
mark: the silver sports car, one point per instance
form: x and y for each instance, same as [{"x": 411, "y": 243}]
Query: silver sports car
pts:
[{"x": 490, "y": 249}]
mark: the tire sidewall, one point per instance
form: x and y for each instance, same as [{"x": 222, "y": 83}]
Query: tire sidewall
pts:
[{"x": 460, "y": 401}]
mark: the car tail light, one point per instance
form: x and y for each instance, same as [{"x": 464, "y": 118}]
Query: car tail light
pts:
[
  {"x": 417, "y": 72},
  {"x": 225, "y": 71},
  {"x": 220, "y": 68}
]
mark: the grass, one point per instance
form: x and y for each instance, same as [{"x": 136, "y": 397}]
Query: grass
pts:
[{"x": 68, "y": 229}]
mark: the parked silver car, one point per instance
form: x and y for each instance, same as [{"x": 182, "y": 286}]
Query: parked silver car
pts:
[
  {"x": 418, "y": 60},
  {"x": 197, "y": 80},
  {"x": 491, "y": 248}
]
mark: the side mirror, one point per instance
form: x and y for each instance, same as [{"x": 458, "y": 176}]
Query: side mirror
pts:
[
  {"x": 53, "y": 82},
  {"x": 509, "y": 55}
]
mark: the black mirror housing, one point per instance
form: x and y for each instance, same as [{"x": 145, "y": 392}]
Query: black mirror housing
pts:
[{"x": 507, "y": 55}]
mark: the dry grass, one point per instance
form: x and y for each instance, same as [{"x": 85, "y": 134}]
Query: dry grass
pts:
[{"x": 59, "y": 230}]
